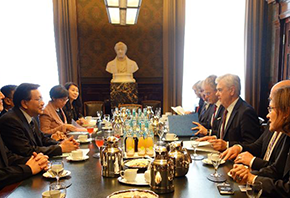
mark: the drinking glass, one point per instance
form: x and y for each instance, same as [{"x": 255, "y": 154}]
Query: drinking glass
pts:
[
  {"x": 254, "y": 190},
  {"x": 90, "y": 130},
  {"x": 216, "y": 160},
  {"x": 194, "y": 145},
  {"x": 57, "y": 168},
  {"x": 99, "y": 140},
  {"x": 55, "y": 192}
]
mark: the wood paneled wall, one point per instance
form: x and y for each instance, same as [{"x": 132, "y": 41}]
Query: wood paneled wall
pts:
[{"x": 97, "y": 39}]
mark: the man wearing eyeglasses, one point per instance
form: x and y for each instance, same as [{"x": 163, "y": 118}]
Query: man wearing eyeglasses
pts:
[
  {"x": 211, "y": 124},
  {"x": 240, "y": 124},
  {"x": 20, "y": 131}
]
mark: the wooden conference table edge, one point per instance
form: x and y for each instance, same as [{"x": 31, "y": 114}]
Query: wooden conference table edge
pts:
[{"x": 188, "y": 186}]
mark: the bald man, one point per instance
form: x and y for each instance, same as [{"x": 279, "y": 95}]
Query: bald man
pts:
[{"x": 265, "y": 150}]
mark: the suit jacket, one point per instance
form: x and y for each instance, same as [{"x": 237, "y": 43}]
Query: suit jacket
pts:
[
  {"x": 205, "y": 116},
  {"x": 243, "y": 125},
  {"x": 3, "y": 112},
  {"x": 217, "y": 120},
  {"x": 276, "y": 178},
  {"x": 259, "y": 148},
  {"x": 50, "y": 122},
  {"x": 12, "y": 167},
  {"x": 19, "y": 137},
  {"x": 200, "y": 105}
]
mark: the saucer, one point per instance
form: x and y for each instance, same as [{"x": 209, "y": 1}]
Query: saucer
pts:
[
  {"x": 206, "y": 161},
  {"x": 69, "y": 158},
  {"x": 84, "y": 142},
  {"x": 48, "y": 174},
  {"x": 170, "y": 140},
  {"x": 139, "y": 181}
]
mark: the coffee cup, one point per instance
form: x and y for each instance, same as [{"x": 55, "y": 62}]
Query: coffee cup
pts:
[
  {"x": 168, "y": 113},
  {"x": 129, "y": 174},
  {"x": 51, "y": 194},
  {"x": 88, "y": 118},
  {"x": 170, "y": 136},
  {"x": 77, "y": 154},
  {"x": 82, "y": 138},
  {"x": 147, "y": 176}
]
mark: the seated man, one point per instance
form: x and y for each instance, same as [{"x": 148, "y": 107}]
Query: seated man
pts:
[
  {"x": 266, "y": 148},
  {"x": 240, "y": 124},
  {"x": 14, "y": 168},
  {"x": 8, "y": 91},
  {"x": 20, "y": 131},
  {"x": 275, "y": 179},
  {"x": 210, "y": 127}
]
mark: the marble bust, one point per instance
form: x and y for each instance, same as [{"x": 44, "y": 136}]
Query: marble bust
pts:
[{"x": 122, "y": 67}]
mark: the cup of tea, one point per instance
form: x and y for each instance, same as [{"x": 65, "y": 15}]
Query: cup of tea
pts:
[
  {"x": 170, "y": 136},
  {"x": 129, "y": 174},
  {"x": 77, "y": 154}
]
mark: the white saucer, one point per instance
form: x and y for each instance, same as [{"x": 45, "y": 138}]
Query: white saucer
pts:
[
  {"x": 206, "y": 161},
  {"x": 84, "y": 142},
  {"x": 139, "y": 181},
  {"x": 170, "y": 140},
  {"x": 48, "y": 174},
  {"x": 69, "y": 158}
]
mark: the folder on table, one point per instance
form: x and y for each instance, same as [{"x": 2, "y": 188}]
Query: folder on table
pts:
[{"x": 181, "y": 124}]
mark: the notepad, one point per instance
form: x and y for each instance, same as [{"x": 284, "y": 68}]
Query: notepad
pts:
[{"x": 181, "y": 124}]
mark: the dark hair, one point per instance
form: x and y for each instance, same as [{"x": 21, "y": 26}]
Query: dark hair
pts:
[
  {"x": 77, "y": 102},
  {"x": 58, "y": 91},
  {"x": 23, "y": 92},
  {"x": 7, "y": 90}
]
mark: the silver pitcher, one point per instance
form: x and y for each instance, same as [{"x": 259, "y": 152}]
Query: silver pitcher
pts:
[
  {"x": 180, "y": 157},
  {"x": 111, "y": 158},
  {"x": 162, "y": 171}
]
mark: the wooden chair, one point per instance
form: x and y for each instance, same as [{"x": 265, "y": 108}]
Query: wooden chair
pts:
[
  {"x": 91, "y": 107},
  {"x": 153, "y": 103},
  {"x": 130, "y": 106}
]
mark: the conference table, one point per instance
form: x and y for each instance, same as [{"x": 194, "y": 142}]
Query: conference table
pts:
[{"x": 87, "y": 181}]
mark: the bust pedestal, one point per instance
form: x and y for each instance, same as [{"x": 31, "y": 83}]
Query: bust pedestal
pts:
[{"x": 123, "y": 93}]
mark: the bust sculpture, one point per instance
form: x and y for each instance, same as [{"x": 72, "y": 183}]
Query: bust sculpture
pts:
[{"x": 122, "y": 67}]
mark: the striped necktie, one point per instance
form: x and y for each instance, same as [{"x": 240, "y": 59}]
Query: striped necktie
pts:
[{"x": 223, "y": 124}]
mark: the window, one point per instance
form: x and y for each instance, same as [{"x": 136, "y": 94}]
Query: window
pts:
[
  {"x": 214, "y": 43},
  {"x": 27, "y": 44}
]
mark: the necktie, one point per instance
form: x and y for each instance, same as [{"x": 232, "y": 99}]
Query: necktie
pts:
[
  {"x": 213, "y": 116},
  {"x": 271, "y": 146},
  {"x": 223, "y": 124}
]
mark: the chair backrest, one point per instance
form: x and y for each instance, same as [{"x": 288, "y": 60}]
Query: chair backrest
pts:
[
  {"x": 153, "y": 103},
  {"x": 91, "y": 107},
  {"x": 130, "y": 106}
]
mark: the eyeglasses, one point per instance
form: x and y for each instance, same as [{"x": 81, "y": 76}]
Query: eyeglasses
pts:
[
  {"x": 38, "y": 100},
  {"x": 270, "y": 109}
]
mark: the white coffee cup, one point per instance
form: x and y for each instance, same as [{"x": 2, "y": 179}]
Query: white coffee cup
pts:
[
  {"x": 88, "y": 118},
  {"x": 170, "y": 136},
  {"x": 168, "y": 113},
  {"x": 129, "y": 174},
  {"x": 77, "y": 154},
  {"x": 147, "y": 176},
  {"x": 82, "y": 138},
  {"x": 51, "y": 194}
]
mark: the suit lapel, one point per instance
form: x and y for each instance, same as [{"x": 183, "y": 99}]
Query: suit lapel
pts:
[
  {"x": 3, "y": 153},
  {"x": 287, "y": 164},
  {"x": 28, "y": 131},
  {"x": 232, "y": 116}
]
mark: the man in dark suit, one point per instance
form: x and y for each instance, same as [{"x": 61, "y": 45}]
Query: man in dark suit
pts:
[
  {"x": 264, "y": 151},
  {"x": 14, "y": 168},
  {"x": 211, "y": 124},
  {"x": 8, "y": 91},
  {"x": 20, "y": 131},
  {"x": 240, "y": 124},
  {"x": 275, "y": 179}
]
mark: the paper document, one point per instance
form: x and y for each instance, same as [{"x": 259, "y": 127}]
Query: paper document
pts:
[{"x": 179, "y": 110}]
